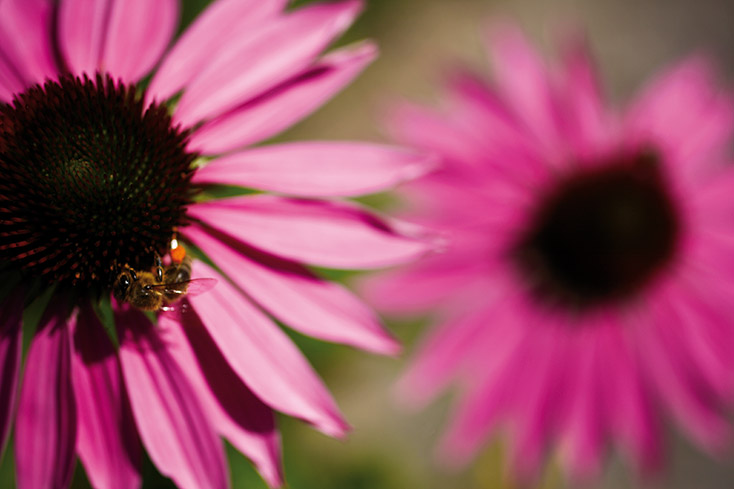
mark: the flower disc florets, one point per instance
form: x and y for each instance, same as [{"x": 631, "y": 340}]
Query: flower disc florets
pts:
[
  {"x": 90, "y": 179},
  {"x": 601, "y": 233}
]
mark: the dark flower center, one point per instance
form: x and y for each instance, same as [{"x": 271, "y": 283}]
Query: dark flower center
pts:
[
  {"x": 90, "y": 180},
  {"x": 601, "y": 234}
]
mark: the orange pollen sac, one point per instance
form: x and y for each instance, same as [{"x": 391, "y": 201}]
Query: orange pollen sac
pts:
[{"x": 178, "y": 252}]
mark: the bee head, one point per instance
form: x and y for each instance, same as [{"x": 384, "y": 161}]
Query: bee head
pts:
[{"x": 122, "y": 283}]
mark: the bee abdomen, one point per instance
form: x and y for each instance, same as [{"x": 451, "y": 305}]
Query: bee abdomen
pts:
[{"x": 178, "y": 273}]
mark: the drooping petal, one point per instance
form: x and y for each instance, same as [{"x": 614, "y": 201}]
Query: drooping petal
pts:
[
  {"x": 524, "y": 82},
  {"x": 294, "y": 295},
  {"x": 233, "y": 409},
  {"x": 537, "y": 396},
  {"x": 25, "y": 41},
  {"x": 194, "y": 49},
  {"x": 285, "y": 104},
  {"x": 683, "y": 88},
  {"x": 408, "y": 290},
  {"x": 257, "y": 62},
  {"x": 479, "y": 411},
  {"x": 10, "y": 80},
  {"x": 328, "y": 234},
  {"x": 263, "y": 356},
  {"x": 82, "y": 28},
  {"x": 633, "y": 419},
  {"x": 586, "y": 417},
  {"x": 489, "y": 382},
  {"x": 11, "y": 311},
  {"x": 443, "y": 352},
  {"x": 429, "y": 130},
  {"x": 484, "y": 117},
  {"x": 46, "y": 424},
  {"x": 669, "y": 369},
  {"x": 704, "y": 334},
  {"x": 317, "y": 169},
  {"x": 107, "y": 441},
  {"x": 170, "y": 420},
  {"x": 587, "y": 126},
  {"x": 684, "y": 116},
  {"x": 136, "y": 35}
]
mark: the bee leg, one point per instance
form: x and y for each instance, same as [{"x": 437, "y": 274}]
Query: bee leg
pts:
[{"x": 158, "y": 267}]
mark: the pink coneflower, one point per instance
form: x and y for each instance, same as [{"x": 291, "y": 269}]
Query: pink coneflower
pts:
[
  {"x": 98, "y": 174},
  {"x": 586, "y": 285}
]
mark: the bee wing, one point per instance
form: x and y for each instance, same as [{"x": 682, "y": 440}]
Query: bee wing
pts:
[
  {"x": 180, "y": 289},
  {"x": 200, "y": 285},
  {"x": 187, "y": 287}
]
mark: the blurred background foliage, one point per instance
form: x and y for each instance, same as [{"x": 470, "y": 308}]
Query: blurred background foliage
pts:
[{"x": 390, "y": 448}]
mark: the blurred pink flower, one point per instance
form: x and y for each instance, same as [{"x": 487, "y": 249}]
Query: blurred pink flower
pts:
[
  {"x": 585, "y": 289},
  {"x": 95, "y": 175}
]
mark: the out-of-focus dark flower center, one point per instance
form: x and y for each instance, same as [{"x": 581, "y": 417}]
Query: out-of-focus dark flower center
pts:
[
  {"x": 601, "y": 234},
  {"x": 90, "y": 179}
]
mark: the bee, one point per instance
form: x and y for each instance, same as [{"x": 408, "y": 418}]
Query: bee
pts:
[{"x": 160, "y": 287}]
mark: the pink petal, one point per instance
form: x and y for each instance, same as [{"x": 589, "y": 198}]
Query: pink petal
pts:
[
  {"x": 700, "y": 340},
  {"x": 317, "y": 169},
  {"x": 172, "y": 424},
  {"x": 328, "y": 234},
  {"x": 538, "y": 396},
  {"x": 46, "y": 425},
  {"x": 490, "y": 381},
  {"x": 705, "y": 335},
  {"x": 233, "y": 409},
  {"x": 297, "y": 297},
  {"x": 82, "y": 28},
  {"x": 107, "y": 441},
  {"x": 426, "y": 129},
  {"x": 479, "y": 411},
  {"x": 585, "y": 427},
  {"x": 25, "y": 41},
  {"x": 712, "y": 207},
  {"x": 523, "y": 80},
  {"x": 418, "y": 287},
  {"x": 10, "y": 353},
  {"x": 441, "y": 354},
  {"x": 683, "y": 115},
  {"x": 485, "y": 119},
  {"x": 268, "y": 56},
  {"x": 588, "y": 129},
  {"x": 678, "y": 385},
  {"x": 11, "y": 81},
  {"x": 285, "y": 105},
  {"x": 634, "y": 420},
  {"x": 263, "y": 356},
  {"x": 137, "y": 34},
  {"x": 194, "y": 49}
]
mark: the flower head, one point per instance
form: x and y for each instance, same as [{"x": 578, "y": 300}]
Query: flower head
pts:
[
  {"x": 103, "y": 167},
  {"x": 585, "y": 287}
]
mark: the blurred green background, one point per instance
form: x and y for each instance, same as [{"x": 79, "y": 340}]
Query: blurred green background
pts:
[{"x": 390, "y": 448}]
